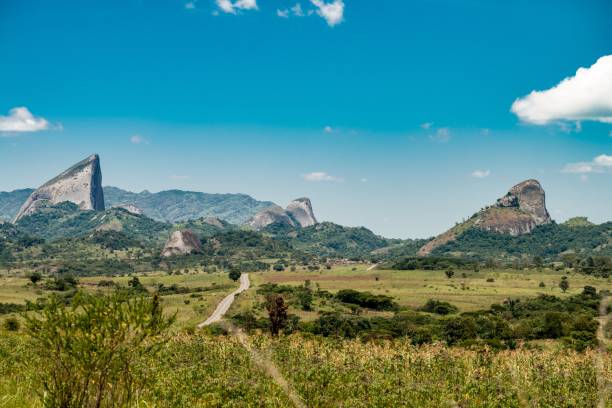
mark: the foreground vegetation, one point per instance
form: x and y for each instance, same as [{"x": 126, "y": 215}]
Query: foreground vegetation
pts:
[{"x": 201, "y": 370}]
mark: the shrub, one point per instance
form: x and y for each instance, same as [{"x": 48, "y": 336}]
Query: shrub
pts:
[
  {"x": 366, "y": 299},
  {"x": 89, "y": 353},
  {"x": 11, "y": 324},
  {"x": 438, "y": 307}
]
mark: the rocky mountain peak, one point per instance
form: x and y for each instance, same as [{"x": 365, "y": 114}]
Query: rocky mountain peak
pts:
[
  {"x": 300, "y": 210},
  {"x": 297, "y": 214},
  {"x": 518, "y": 212},
  {"x": 81, "y": 184},
  {"x": 181, "y": 242},
  {"x": 528, "y": 196},
  {"x": 272, "y": 215}
]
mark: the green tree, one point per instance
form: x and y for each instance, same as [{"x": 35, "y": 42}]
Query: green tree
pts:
[
  {"x": 35, "y": 277},
  {"x": 277, "y": 313},
  {"x": 234, "y": 274},
  {"x": 564, "y": 284},
  {"x": 92, "y": 352},
  {"x": 449, "y": 273}
]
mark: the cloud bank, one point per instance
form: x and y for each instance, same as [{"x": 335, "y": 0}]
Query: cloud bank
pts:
[
  {"x": 585, "y": 96},
  {"x": 232, "y": 7},
  {"x": 20, "y": 119},
  {"x": 599, "y": 164}
]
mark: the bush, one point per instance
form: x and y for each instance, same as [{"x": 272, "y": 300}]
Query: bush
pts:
[
  {"x": 366, "y": 299},
  {"x": 439, "y": 307},
  {"x": 11, "y": 324},
  {"x": 90, "y": 353}
]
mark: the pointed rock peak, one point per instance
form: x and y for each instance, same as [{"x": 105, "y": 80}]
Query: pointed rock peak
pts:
[
  {"x": 271, "y": 215},
  {"x": 81, "y": 184},
  {"x": 300, "y": 210},
  {"x": 181, "y": 242},
  {"x": 529, "y": 197}
]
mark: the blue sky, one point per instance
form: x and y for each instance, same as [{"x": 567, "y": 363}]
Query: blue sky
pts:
[{"x": 395, "y": 115}]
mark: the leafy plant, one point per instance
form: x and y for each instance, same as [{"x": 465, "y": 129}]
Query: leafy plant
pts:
[{"x": 89, "y": 354}]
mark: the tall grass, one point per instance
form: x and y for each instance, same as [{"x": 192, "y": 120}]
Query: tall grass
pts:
[{"x": 213, "y": 371}]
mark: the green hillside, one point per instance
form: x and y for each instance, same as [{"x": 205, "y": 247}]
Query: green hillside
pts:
[
  {"x": 65, "y": 220},
  {"x": 546, "y": 241},
  {"x": 177, "y": 205}
]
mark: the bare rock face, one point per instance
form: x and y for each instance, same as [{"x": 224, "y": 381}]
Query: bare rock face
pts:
[
  {"x": 272, "y": 215},
  {"x": 297, "y": 214},
  {"x": 300, "y": 210},
  {"x": 181, "y": 242},
  {"x": 518, "y": 212},
  {"x": 528, "y": 197},
  {"x": 131, "y": 208},
  {"x": 80, "y": 184},
  {"x": 214, "y": 221}
]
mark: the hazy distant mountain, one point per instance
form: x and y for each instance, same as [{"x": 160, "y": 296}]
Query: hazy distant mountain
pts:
[
  {"x": 11, "y": 202},
  {"x": 167, "y": 206},
  {"x": 177, "y": 205}
]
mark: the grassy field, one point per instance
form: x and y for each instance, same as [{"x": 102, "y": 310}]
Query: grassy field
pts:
[
  {"x": 190, "y": 308},
  {"x": 475, "y": 291}
]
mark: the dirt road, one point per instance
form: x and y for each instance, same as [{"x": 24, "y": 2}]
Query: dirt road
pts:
[{"x": 225, "y": 304}]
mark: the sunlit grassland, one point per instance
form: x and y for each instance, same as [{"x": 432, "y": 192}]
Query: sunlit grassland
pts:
[
  {"x": 190, "y": 310},
  {"x": 414, "y": 288}
]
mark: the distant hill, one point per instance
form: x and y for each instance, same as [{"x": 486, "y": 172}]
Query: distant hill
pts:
[
  {"x": 11, "y": 202},
  {"x": 578, "y": 222},
  {"x": 66, "y": 220},
  {"x": 521, "y": 210},
  {"x": 176, "y": 205},
  {"x": 331, "y": 240},
  {"x": 548, "y": 241}
]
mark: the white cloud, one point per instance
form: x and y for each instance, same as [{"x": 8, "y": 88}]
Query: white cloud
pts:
[
  {"x": 603, "y": 160},
  {"x": 138, "y": 139},
  {"x": 585, "y": 96},
  {"x": 442, "y": 135},
  {"x": 427, "y": 125},
  {"x": 282, "y": 13},
  {"x": 481, "y": 173},
  {"x": 332, "y": 12},
  {"x": 190, "y": 5},
  {"x": 328, "y": 129},
  {"x": 231, "y": 7},
  {"x": 321, "y": 176},
  {"x": 598, "y": 165},
  {"x": 21, "y": 120},
  {"x": 297, "y": 10}
]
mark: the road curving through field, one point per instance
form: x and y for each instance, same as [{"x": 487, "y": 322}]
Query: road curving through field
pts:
[{"x": 225, "y": 304}]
